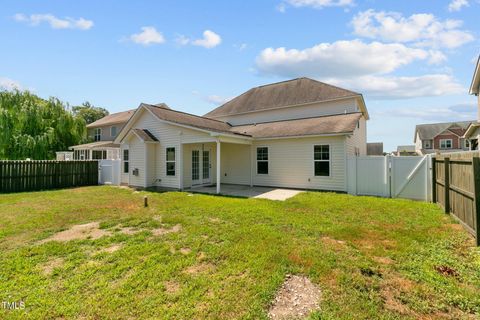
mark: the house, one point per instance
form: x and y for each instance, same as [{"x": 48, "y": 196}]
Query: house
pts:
[
  {"x": 441, "y": 137},
  {"x": 408, "y": 150},
  {"x": 295, "y": 134},
  {"x": 472, "y": 134},
  {"x": 375, "y": 149},
  {"x": 102, "y": 133}
]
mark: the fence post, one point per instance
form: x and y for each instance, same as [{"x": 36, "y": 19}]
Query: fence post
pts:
[
  {"x": 447, "y": 184},
  {"x": 434, "y": 180},
  {"x": 476, "y": 192}
]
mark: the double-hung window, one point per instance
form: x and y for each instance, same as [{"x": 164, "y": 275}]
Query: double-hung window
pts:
[
  {"x": 113, "y": 132},
  {"x": 125, "y": 160},
  {"x": 97, "y": 134},
  {"x": 262, "y": 160},
  {"x": 445, "y": 143},
  {"x": 170, "y": 161},
  {"x": 321, "y": 159}
]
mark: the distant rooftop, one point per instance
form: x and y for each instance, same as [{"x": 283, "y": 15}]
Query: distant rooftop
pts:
[{"x": 114, "y": 118}]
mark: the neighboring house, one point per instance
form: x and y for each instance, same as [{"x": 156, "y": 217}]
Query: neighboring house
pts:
[
  {"x": 294, "y": 134},
  {"x": 441, "y": 137},
  {"x": 408, "y": 150},
  {"x": 472, "y": 133},
  {"x": 102, "y": 132},
  {"x": 375, "y": 149}
]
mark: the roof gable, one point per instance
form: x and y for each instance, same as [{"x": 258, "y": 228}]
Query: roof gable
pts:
[
  {"x": 114, "y": 118},
  {"x": 282, "y": 94},
  {"x": 474, "y": 86},
  {"x": 430, "y": 131}
]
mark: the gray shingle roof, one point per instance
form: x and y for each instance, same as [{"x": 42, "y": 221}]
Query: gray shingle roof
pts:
[
  {"x": 145, "y": 135},
  {"x": 374, "y": 148},
  {"x": 429, "y": 131},
  {"x": 119, "y": 117},
  {"x": 336, "y": 124},
  {"x": 188, "y": 119},
  {"x": 281, "y": 94}
]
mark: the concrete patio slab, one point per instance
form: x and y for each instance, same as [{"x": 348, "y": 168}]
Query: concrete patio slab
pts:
[{"x": 248, "y": 192}]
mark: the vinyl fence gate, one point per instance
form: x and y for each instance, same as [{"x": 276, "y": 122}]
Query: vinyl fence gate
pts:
[
  {"x": 390, "y": 177},
  {"x": 109, "y": 172}
]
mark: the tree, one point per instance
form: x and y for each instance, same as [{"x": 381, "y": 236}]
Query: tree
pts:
[
  {"x": 89, "y": 112},
  {"x": 32, "y": 127}
]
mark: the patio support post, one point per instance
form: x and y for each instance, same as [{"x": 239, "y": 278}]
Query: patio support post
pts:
[
  {"x": 252, "y": 164},
  {"x": 218, "y": 165},
  {"x": 180, "y": 166}
]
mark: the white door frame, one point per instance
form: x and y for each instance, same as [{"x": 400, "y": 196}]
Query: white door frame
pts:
[
  {"x": 196, "y": 169},
  {"x": 206, "y": 179}
]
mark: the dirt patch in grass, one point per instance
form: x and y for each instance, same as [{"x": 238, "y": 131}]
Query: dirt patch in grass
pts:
[
  {"x": 129, "y": 230},
  {"x": 79, "y": 232},
  {"x": 162, "y": 231},
  {"x": 171, "y": 287},
  {"x": 48, "y": 267},
  {"x": 200, "y": 268},
  {"x": 185, "y": 251},
  {"x": 391, "y": 289},
  {"x": 383, "y": 260},
  {"x": 111, "y": 249},
  {"x": 297, "y": 298}
]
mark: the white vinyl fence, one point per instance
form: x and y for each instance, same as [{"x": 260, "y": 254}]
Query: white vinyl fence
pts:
[
  {"x": 391, "y": 177},
  {"x": 109, "y": 172}
]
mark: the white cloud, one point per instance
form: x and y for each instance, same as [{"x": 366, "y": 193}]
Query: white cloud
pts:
[
  {"x": 391, "y": 87},
  {"x": 210, "y": 40},
  {"x": 54, "y": 22},
  {"x": 9, "y": 84},
  {"x": 218, "y": 100},
  {"x": 148, "y": 36},
  {"x": 456, "y": 5},
  {"x": 317, "y": 4},
  {"x": 340, "y": 59},
  {"x": 419, "y": 29},
  {"x": 461, "y": 112}
]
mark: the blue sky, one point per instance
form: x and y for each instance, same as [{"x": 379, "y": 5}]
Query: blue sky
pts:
[{"x": 412, "y": 60}]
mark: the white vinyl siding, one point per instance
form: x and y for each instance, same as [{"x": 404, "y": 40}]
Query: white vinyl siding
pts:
[
  {"x": 304, "y": 111},
  {"x": 168, "y": 136},
  {"x": 136, "y": 161},
  {"x": 291, "y": 164},
  {"x": 357, "y": 142},
  {"x": 235, "y": 165}
]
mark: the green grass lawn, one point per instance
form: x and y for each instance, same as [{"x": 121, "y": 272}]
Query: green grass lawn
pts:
[{"x": 372, "y": 258}]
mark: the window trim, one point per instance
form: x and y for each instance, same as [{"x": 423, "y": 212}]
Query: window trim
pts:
[
  {"x": 425, "y": 142},
  {"x": 256, "y": 160},
  {"x": 170, "y": 161},
  {"x": 99, "y": 134},
  {"x": 445, "y": 140},
  {"x": 125, "y": 161},
  {"x": 111, "y": 128},
  {"x": 466, "y": 144},
  {"x": 329, "y": 160}
]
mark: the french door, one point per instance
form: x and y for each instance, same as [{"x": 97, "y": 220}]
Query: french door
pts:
[
  {"x": 206, "y": 167},
  {"x": 201, "y": 166}
]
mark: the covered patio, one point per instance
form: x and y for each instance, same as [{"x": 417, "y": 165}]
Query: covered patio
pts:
[{"x": 235, "y": 190}]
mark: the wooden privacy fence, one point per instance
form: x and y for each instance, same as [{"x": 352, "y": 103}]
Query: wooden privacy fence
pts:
[
  {"x": 18, "y": 176},
  {"x": 456, "y": 187}
]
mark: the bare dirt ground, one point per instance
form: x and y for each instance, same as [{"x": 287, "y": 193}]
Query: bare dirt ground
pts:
[
  {"x": 296, "y": 299},
  {"x": 79, "y": 232},
  {"x": 92, "y": 231}
]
